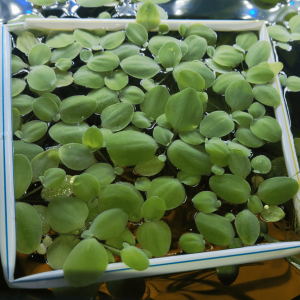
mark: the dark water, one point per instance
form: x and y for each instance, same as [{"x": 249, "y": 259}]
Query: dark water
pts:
[{"x": 266, "y": 281}]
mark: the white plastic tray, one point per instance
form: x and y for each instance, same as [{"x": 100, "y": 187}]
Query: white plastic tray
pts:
[{"x": 158, "y": 266}]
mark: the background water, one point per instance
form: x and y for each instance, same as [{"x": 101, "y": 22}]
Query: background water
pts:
[{"x": 266, "y": 280}]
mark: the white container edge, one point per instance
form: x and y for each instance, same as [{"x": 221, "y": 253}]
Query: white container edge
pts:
[{"x": 158, "y": 266}]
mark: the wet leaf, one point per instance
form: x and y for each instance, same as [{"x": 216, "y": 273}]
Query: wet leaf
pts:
[
  {"x": 261, "y": 164},
  {"x": 139, "y": 66},
  {"x": 88, "y": 78},
  {"x": 231, "y": 188},
  {"x": 190, "y": 159},
  {"x": 258, "y": 53},
  {"x": 53, "y": 178},
  {"x": 247, "y": 227},
  {"x": 277, "y": 190},
  {"x": 273, "y": 214},
  {"x": 154, "y": 236},
  {"x": 209, "y": 226},
  {"x": 86, "y": 263},
  {"x": 246, "y": 40},
  {"x": 28, "y": 228},
  {"x": 206, "y": 202},
  {"x": 151, "y": 167},
  {"x": 76, "y": 156},
  {"x": 192, "y": 243}
]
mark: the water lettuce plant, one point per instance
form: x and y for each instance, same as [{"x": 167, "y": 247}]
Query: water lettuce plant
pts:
[{"x": 116, "y": 130}]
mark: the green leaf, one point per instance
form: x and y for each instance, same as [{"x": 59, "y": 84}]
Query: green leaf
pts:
[
  {"x": 64, "y": 78},
  {"x": 150, "y": 167},
  {"x": 239, "y": 163},
  {"x": 42, "y": 212},
  {"x": 76, "y": 156},
  {"x": 277, "y": 190},
  {"x": 75, "y": 109},
  {"x": 41, "y": 78},
  {"x": 118, "y": 196},
  {"x": 242, "y": 118},
  {"x": 39, "y": 55},
  {"x": 190, "y": 159},
  {"x": 209, "y": 226},
  {"x": 196, "y": 48},
  {"x": 183, "y": 29},
  {"x": 292, "y": 83},
  {"x": 267, "y": 95},
  {"x": 17, "y": 86},
  {"x": 169, "y": 55},
  {"x": 117, "y": 116},
  {"x": 141, "y": 67},
  {"x": 142, "y": 184},
  {"x": 86, "y": 187},
  {"x": 246, "y": 137},
  {"x": 231, "y": 188},
  {"x": 16, "y": 118},
  {"x": 255, "y": 205},
  {"x": 148, "y": 16},
  {"x": 109, "y": 224},
  {"x": 154, "y": 236},
  {"x": 66, "y": 214},
  {"x": 43, "y": 2},
  {"x": 163, "y": 28},
  {"x": 227, "y": 56},
  {"x": 103, "y": 172},
  {"x": 257, "y": 110},
  {"x": 112, "y": 40},
  {"x": 155, "y": 101},
  {"x": 86, "y": 263},
  {"x": 28, "y": 228},
  {"x": 203, "y": 31},
  {"x": 92, "y": 138},
  {"x": 294, "y": 22},
  {"x": 259, "y": 75},
  {"x": 224, "y": 80},
  {"x": 261, "y": 164},
  {"x": 162, "y": 121},
  {"x": 188, "y": 179},
  {"x": 117, "y": 80},
  {"x": 26, "y": 41},
  {"x": 22, "y": 174},
  {"x": 193, "y": 137},
  {"x": 104, "y": 97},
  {"x": 59, "y": 250},
  {"x": 258, "y": 53},
  {"x": 63, "y": 133},
  {"x": 53, "y": 178},
  {"x": 216, "y": 124},
  {"x": 33, "y": 131},
  {"x": 216, "y": 147},
  {"x": 157, "y": 42},
  {"x": 44, "y": 161},
  {"x": 169, "y": 189},
  {"x": 239, "y": 95},
  {"x": 206, "y": 202},
  {"x": 117, "y": 242},
  {"x": 237, "y": 146},
  {"x": 198, "y": 67},
  {"x": 283, "y": 46},
  {"x": 246, "y": 40},
  {"x": 273, "y": 214},
  {"x": 184, "y": 110},
  {"x": 217, "y": 170},
  {"x": 17, "y": 64},
  {"x": 154, "y": 208},
  {"x": 86, "y": 55},
  {"x": 141, "y": 120},
  {"x": 279, "y": 33},
  {"x": 45, "y": 109},
  {"x": 59, "y": 38},
  {"x": 187, "y": 78},
  {"x": 216, "y": 67},
  {"x": 139, "y": 150},
  {"x": 86, "y": 37},
  {"x": 247, "y": 227},
  {"x": 68, "y": 52},
  {"x": 63, "y": 64},
  {"x": 192, "y": 243},
  {"x": 125, "y": 50},
  {"x": 27, "y": 149},
  {"x": 134, "y": 258},
  {"x": 106, "y": 133},
  {"x": 136, "y": 33},
  {"x": 132, "y": 95},
  {"x": 88, "y": 78},
  {"x": 267, "y": 128},
  {"x": 103, "y": 62}
]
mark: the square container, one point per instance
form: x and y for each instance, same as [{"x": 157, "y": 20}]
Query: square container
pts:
[{"x": 115, "y": 271}]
